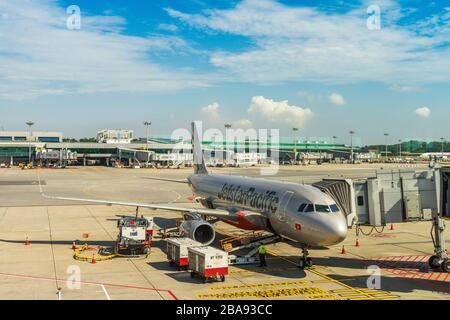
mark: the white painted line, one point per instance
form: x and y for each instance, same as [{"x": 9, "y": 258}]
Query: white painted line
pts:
[{"x": 106, "y": 292}]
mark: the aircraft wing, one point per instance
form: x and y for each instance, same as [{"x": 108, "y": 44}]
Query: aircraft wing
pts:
[
  {"x": 169, "y": 180},
  {"x": 207, "y": 212}
]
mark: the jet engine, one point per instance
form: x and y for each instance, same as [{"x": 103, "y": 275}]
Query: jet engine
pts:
[{"x": 198, "y": 230}]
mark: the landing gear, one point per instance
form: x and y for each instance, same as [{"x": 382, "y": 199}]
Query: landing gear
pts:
[
  {"x": 434, "y": 262},
  {"x": 445, "y": 266},
  {"x": 305, "y": 262}
]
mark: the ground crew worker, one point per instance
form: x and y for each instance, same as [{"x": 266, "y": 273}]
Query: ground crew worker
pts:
[{"x": 262, "y": 255}]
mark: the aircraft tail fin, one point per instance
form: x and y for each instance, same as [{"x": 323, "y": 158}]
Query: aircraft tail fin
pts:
[{"x": 199, "y": 161}]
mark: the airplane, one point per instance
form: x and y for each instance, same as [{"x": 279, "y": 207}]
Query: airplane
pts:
[{"x": 297, "y": 212}]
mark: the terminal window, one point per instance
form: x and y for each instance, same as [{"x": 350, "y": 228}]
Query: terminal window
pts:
[{"x": 48, "y": 139}]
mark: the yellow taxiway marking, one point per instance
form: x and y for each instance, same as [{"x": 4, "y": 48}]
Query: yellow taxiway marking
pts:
[
  {"x": 310, "y": 293},
  {"x": 259, "y": 285},
  {"x": 362, "y": 292}
]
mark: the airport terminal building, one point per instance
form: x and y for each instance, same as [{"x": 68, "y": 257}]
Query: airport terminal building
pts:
[{"x": 118, "y": 147}]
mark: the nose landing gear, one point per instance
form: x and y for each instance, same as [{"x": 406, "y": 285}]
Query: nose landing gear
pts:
[{"x": 305, "y": 262}]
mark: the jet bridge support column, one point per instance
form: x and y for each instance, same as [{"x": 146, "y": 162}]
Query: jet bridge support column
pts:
[{"x": 440, "y": 257}]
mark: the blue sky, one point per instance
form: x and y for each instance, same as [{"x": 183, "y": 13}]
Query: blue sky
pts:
[{"x": 254, "y": 63}]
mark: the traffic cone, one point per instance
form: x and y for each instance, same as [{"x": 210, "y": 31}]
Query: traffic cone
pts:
[
  {"x": 357, "y": 242},
  {"x": 74, "y": 247},
  {"x": 27, "y": 242},
  {"x": 343, "y": 251},
  {"x": 392, "y": 227},
  {"x": 93, "y": 261}
]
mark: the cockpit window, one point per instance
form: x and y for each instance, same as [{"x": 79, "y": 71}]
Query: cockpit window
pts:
[
  {"x": 309, "y": 208},
  {"x": 322, "y": 208},
  {"x": 302, "y": 207},
  {"x": 334, "y": 208}
]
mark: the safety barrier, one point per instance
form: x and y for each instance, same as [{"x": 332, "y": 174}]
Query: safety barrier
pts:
[{"x": 78, "y": 255}]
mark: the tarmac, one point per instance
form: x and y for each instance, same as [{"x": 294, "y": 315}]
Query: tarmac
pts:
[{"x": 46, "y": 269}]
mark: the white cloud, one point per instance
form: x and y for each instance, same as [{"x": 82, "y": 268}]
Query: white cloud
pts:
[
  {"x": 337, "y": 99},
  {"x": 212, "y": 111},
  {"x": 168, "y": 27},
  {"x": 304, "y": 43},
  {"x": 423, "y": 112},
  {"x": 40, "y": 56},
  {"x": 279, "y": 112}
]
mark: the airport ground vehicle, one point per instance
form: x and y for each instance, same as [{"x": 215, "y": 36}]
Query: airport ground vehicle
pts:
[
  {"x": 208, "y": 263},
  {"x": 135, "y": 235},
  {"x": 177, "y": 251}
]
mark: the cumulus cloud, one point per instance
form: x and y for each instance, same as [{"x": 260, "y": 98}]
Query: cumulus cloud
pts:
[
  {"x": 280, "y": 112},
  {"x": 212, "y": 111},
  {"x": 310, "y": 44},
  {"x": 337, "y": 99},
  {"x": 423, "y": 112},
  {"x": 40, "y": 56}
]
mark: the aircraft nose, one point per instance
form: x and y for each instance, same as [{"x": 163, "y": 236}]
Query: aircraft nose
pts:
[
  {"x": 336, "y": 231},
  {"x": 339, "y": 231}
]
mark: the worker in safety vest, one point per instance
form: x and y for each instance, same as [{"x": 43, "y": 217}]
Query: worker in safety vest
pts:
[{"x": 262, "y": 255}]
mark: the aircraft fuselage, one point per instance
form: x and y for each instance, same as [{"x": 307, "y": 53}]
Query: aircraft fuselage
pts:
[{"x": 276, "y": 205}]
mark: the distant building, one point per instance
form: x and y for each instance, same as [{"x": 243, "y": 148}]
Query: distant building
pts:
[
  {"x": 115, "y": 136},
  {"x": 36, "y": 136}
]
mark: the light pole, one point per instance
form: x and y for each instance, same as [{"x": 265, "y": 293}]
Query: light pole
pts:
[
  {"x": 442, "y": 147},
  {"x": 225, "y": 141},
  {"x": 400, "y": 148},
  {"x": 386, "y": 142},
  {"x": 351, "y": 145},
  {"x": 334, "y": 140},
  {"x": 147, "y": 124},
  {"x": 294, "y": 131},
  {"x": 29, "y": 124}
]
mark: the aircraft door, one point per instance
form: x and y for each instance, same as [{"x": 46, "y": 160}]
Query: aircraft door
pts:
[{"x": 284, "y": 203}]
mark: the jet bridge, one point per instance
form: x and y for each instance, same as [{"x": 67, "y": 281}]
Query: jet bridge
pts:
[
  {"x": 400, "y": 195},
  {"x": 343, "y": 192}
]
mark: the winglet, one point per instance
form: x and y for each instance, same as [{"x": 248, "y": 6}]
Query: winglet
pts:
[{"x": 199, "y": 161}]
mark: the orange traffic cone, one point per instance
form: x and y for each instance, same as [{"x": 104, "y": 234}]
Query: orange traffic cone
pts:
[
  {"x": 27, "y": 242},
  {"x": 74, "y": 247},
  {"x": 357, "y": 244},
  {"x": 343, "y": 251},
  {"x": 392, "y": 227},
  {"x": 93, "y": 261}
]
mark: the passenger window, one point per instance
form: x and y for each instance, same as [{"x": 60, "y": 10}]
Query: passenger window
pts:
[
  {"x": 360, "y": 200},
  {"x": 309, "y": 208},
  {"x": 322, "y": 208},
  {"x": 302, "y": 207}
]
